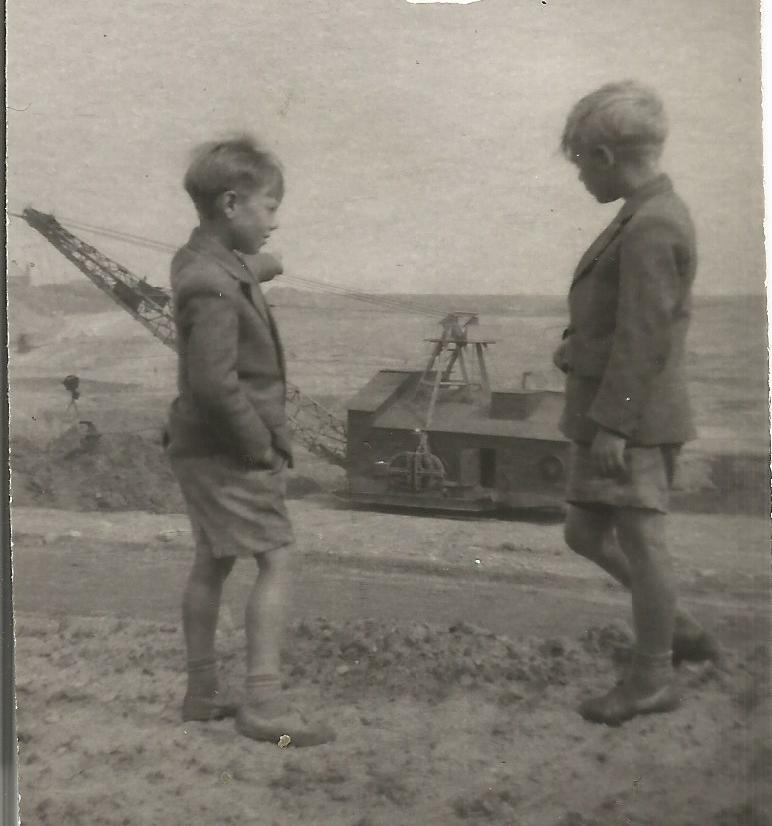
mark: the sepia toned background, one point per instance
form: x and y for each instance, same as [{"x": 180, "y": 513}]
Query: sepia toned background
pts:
[{"x": 420, "y": 141}]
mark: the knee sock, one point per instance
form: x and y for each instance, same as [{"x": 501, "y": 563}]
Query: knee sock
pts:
[
  {"x": 202, "y": 677},
  {"x": 261, "y": 687},
  {"x": 651, "y": 672}
]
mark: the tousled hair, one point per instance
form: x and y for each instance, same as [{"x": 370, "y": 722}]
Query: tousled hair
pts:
[
  {"x": 628, "y": 117},
  {"x": 239, "y": 164}
]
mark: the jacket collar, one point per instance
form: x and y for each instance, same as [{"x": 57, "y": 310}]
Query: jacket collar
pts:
[
  {"x": 206, "y": 244},
  {"x": 656, "y": 186}
]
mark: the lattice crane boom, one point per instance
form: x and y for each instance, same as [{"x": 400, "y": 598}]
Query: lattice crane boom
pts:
[{"x": 317, "y": 428}]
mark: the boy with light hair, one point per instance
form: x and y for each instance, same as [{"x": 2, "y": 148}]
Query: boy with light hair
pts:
[{"x": 626, "y": 407}]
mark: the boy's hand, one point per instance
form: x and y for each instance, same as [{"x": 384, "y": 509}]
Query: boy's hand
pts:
[
  {"x": 608, "y": 451},
  {"x": 267, "y": 460},
  {"x": 559, "y": 357},
  {"x": 267, "y": 266},
  {"x": 279, "y": 462},
  {"x": 272, "y": 460}
]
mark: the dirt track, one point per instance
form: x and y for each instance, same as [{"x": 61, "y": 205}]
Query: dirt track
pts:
[
  {"x": 441, "y": 721},
  {"x": 522, "y": 601}
]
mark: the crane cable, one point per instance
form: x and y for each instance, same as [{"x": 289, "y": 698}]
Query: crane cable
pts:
[{"x": 330, "y": 288}]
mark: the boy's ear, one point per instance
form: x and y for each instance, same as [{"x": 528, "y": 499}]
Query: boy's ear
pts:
[
  {"x": 605, "y": 154},
  {"x": 226, "y": 201}
]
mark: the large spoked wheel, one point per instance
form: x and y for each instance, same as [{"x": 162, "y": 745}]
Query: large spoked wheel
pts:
[{"x": 416, "y": 471}]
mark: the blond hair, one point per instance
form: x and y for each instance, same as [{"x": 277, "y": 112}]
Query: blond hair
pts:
[
  {"x": 238, "y": 164},
  {"x": 627, "y": 117}
]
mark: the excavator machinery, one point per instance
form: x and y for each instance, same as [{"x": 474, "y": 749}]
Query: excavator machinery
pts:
[{"x": 436, "y": 439}]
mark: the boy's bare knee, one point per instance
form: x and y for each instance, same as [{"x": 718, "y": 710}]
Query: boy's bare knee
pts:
[
  {"x": 574, "y": 536},
  {"x": 275, "y": 563},
  {"x": 641, "y": 533},
  {"x": 640, "y": 526},
  {"x": 573, "y": 530},
  {"x": 585, "y": 531},
  {"x": 212, "y": 569}
]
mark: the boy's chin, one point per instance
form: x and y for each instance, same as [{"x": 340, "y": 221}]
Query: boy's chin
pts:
[{"x": 249, "y": 248}]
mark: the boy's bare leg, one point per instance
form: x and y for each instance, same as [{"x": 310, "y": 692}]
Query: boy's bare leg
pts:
[
  {"x": 649, "y": 687},
  {"x": 200, "y": 612},
  {"x": 265, "y": 618},
  {"x": 641, "y": 536},
  {"x": 640, "y": 563},
  {"x": 267, "y": 713},
  {"x": 591, "y": 533}
]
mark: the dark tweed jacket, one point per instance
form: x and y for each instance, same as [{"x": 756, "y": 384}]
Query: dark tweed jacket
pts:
[
  {"x": 231, "y": 376},
  {"x": 630, "y": 305}
]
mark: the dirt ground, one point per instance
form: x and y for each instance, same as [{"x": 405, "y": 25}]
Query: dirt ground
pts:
[
  {"x": 436, "y": 726},
  {"x": 438, "y": 722}
]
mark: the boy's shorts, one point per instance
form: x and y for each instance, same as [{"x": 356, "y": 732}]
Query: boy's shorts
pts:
[
  {"x": 234, "y": 511},
  {"x": 646, "y": 484}
]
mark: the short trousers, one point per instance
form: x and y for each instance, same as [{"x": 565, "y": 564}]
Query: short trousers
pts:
[
  {"x": 646, "y": 484},
  {"x": 234, "y": 511}
]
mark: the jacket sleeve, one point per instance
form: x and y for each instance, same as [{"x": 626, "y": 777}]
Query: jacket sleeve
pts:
[
  {"x": 649, "y": 291},
  {"x": 266, "y": 267},
  {"x": 210, "y": 322}
]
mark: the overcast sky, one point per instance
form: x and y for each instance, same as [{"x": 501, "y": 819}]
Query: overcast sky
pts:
[{"x": 420, "y": 141}]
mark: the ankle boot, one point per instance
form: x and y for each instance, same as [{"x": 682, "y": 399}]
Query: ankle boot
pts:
[{"x": 648, "y": 689}]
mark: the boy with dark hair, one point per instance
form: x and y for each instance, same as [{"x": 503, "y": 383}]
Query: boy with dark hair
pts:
[
  {"x": 626, "y": 410},
  {"x": 228, "y": 440}
]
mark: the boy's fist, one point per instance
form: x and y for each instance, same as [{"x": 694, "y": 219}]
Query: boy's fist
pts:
[
  {"x": 559, "y": 357},
  {"x": 272, "y": 460},
  {"x": 608, "y": 452},
  {"x": 267, "y": 266}
]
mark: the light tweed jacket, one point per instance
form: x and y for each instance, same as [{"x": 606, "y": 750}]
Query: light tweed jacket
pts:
[{"x": 630, "y": 305}]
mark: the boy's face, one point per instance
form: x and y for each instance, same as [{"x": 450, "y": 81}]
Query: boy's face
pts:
[
  {"x": 599, "y": 173},
  {"x": 252, "y": 219}
]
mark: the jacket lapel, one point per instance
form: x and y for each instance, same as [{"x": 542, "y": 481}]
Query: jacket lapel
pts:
[
  {"x": 599, "y": 246},
  {"x": 235, "y": 266},
  {"x": 660, "y": 184},
  {"x": 251, "y": 289}
]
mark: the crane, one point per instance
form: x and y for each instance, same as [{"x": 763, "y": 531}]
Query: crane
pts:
[{"x": 319, "y": 430}]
